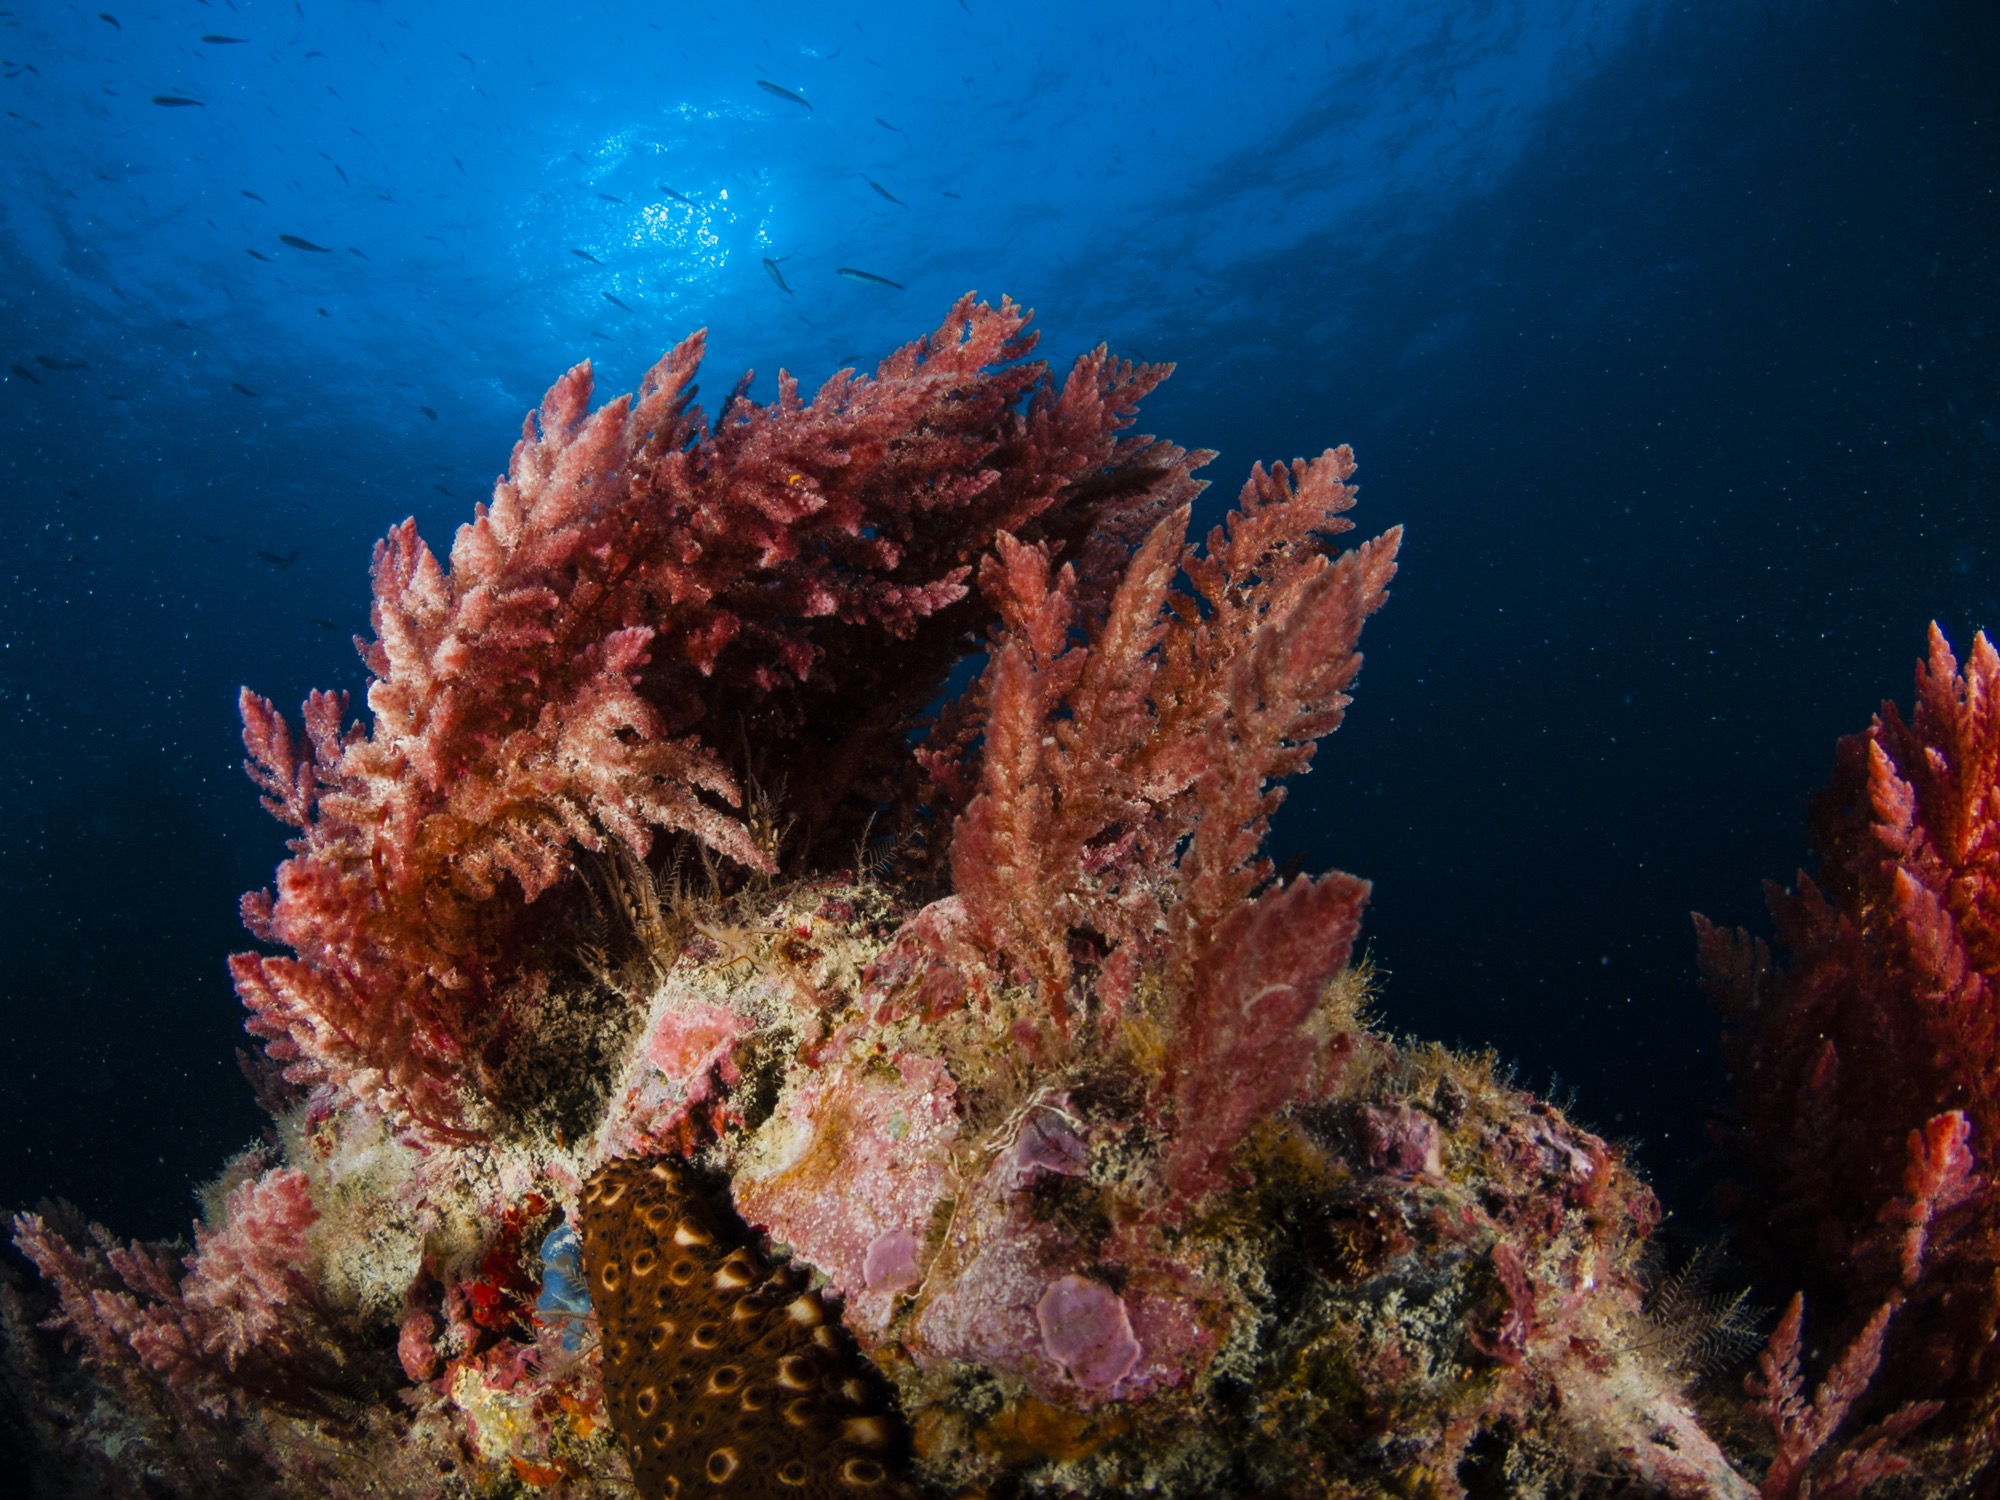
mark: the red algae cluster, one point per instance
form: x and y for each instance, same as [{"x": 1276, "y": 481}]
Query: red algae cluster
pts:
[{"x": 701, "y": 1064}]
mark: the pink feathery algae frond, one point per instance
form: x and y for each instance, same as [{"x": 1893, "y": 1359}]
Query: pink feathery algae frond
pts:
[
  {"x": 1250, "y": 971},
  {"x": 1125, "y": 788},
  {"x": 1803, "y": 1463},
  {"x": 1101, "y": 759},
  {"x": 1055, "y": 782},
  {"x": 98, "y": 1284},
  {"x": 643, "y": 596},
  {"x": 1867, "y": 1066},
  {"x": 1286, "y": 686},
  {"x": 244, "y": 1278},
  {"x": 1240, "y": 1054},
  {"x": 1937, "y": 1181},
  {"x": 238, "y": 1323}
]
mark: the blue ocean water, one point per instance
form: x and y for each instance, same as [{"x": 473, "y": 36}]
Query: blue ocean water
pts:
[{"x": 1668, "y": 330}]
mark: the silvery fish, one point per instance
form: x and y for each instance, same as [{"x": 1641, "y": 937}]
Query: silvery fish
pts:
[
  {"x": 867, "y": 278},
  {"x": 784, "y": 93}
]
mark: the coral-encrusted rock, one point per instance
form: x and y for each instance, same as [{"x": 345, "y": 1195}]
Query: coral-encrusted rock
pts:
[
  {"x": 684, "y": 1059},
  {"x": 1416, "y": 1277},
  {"x": 849, "y": 1172}
]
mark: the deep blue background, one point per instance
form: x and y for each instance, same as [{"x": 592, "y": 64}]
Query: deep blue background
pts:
[{"x": 1669, "y": 331}]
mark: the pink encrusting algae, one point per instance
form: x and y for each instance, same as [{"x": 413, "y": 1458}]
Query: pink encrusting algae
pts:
[{"x": 702, "y": 1066}]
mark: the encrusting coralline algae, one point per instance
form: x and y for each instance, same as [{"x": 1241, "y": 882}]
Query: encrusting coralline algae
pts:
[{"x": 703, "y": 1066}]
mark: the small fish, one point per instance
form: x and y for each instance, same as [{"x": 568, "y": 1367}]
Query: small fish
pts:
[
  {"x": 771, "y": 270},
  {"x": 278, "y": 561},
  {"x": 177, "y": 101},
  {"x": 343, "y": 174},
  {"x": 468, "y": 57},
  {"x": 243, "y": 390},
  {"x": 887, "y": 126},
  {"x": 260, "y": 255},
  {"x": 442, "y": 490},
  {"x": 428, "y": 412},
  {"x": 866, "y": 278},
  {"x": 460, "y": 165},
  {"x": 609, "y": 199},
  {"x": 614, "y": 301},
  {"x": 298, "y": 244},
  {"x": 885, "y": 192},
  {"x": 682, "y": 197},
  {"x": 226, "y": 41},
  {"x": 105, "y": 15},
  {"x": 585, "y": 255},
  {"x": 324, "y": 624},
  {"x": 352, "y": 251},
  {"x": 74, "y": 494},
  {"x": 250, "y": 195},
  {"x": 49, "y": 363},
  {"x": 26, "y": 374},
  {"x": 785, "y": 93},
  {"x": 950, "y": 194},
  {"x": 322, "y": 312},
  {"x": 315, "y": 54}
]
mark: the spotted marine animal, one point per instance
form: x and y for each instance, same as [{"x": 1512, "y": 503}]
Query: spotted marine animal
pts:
[{"x": 723, "y": 1373}]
